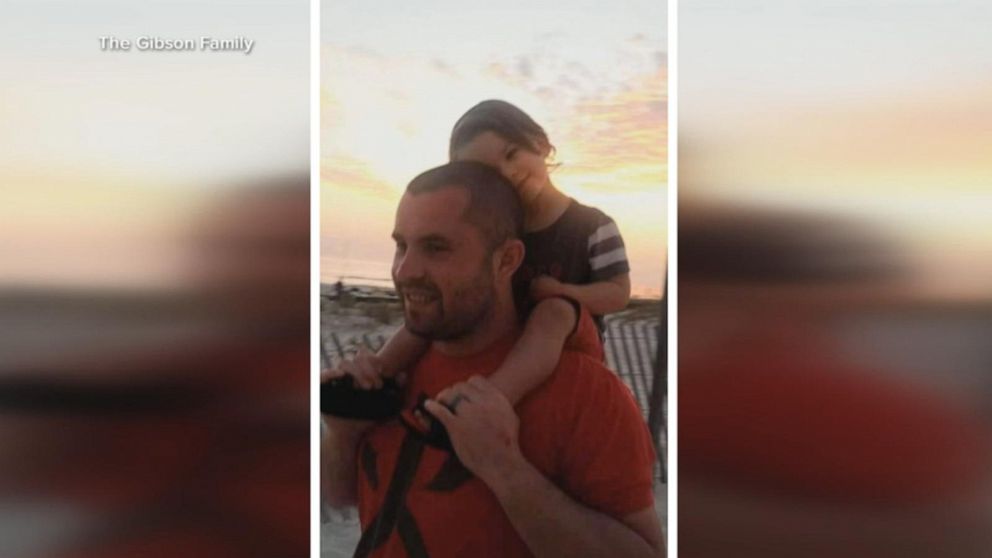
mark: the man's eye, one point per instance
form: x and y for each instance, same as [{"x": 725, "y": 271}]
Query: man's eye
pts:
[
  {"x": 436, "y": 248},
  {"x": 511, "y": 153}
]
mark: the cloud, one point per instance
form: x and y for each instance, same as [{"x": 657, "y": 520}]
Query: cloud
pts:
[
  {"x": 500, "y": 71},
  {"x": 577, "y": 71},
  {"x": 618, "y": 139},
  {"x": 444, "y": 68},
  {"x": 637, "y": 39},
  {"x": 566, "y": 82},
  {"x": 546, "y": 94},
  {"x": 361, "y": 52},
  {"x": 607, "y": 112},
  {"x": 919, "y": 139},
  {"x": 340, "y": 174},
  {"x": 525, "y": 68}
]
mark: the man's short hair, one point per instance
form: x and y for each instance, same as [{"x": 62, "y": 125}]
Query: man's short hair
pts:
[{"x": 493, "y": 205}]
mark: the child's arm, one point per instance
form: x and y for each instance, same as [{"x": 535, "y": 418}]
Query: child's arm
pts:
[
  {"x": 538, "y": 350},
  {"x": 401, "y": 352},
  {"x": 601, "y": 297}
]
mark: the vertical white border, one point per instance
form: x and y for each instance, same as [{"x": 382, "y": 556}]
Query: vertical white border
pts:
[
  {"x": 314, "y": 278},
  {"x": 672, "y": 428}
]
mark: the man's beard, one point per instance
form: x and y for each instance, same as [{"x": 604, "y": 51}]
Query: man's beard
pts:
[{"x": 467, "y": 306}]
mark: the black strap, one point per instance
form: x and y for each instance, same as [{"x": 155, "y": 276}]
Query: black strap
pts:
[
  {"x": 340, "y": 398},
  {"x": 436, "y": 434},
  {"x": 409, "y": 533}
]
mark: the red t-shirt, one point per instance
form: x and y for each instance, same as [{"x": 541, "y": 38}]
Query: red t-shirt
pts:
[
  {"x": 785, "y": 412},
  {"x": 581, "y": 429}
]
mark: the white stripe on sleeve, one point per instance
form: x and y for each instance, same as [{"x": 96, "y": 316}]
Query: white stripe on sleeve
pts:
[
  {"x": 611, "y": 257},
  {"x": 607, "y": 231}
]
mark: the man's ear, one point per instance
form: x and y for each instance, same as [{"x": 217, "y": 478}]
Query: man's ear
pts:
[{"x": 508, "y": 258}]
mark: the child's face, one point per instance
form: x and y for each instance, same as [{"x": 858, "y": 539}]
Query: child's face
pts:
[{"x": 521, "y": 166}]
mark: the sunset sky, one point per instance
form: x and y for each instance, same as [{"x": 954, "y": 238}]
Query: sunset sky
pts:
[
  {"x": 395, "y": 77},
  {"x": 106, "y": 157},
  {"x": 876, "y": 110}
]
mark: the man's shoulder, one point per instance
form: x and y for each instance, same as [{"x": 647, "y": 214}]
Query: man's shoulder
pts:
[
  {"x": 603, "y": 451},
  {"x": 582, "y": 364}
]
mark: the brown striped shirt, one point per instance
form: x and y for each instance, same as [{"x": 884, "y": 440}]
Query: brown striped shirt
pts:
[{"x": 583, "y": 246}]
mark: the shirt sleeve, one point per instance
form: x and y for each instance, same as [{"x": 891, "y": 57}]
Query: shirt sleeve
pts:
[
  {"x": 608, "y": 457},
  {"x": 607, "y": 256}
]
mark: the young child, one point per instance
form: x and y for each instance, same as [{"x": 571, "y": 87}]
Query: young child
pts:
[{"x": 572, "y": 251}]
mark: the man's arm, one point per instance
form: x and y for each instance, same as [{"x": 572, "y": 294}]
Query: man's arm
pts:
[
  {"x": 338, "y": 453},
  {"x": 338, "y": 456},
  {"x": 553, "y": 524},
  {"x": 484, "y": 435}
]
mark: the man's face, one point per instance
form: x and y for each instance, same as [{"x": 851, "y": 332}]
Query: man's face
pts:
[{"x": 442, "y": 269}]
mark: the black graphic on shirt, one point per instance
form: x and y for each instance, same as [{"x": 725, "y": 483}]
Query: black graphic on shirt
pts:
[
  {"x": 369, "y": 466},
  {"x": 450, "y": 477},
  {"x": 394, "y": 514}
]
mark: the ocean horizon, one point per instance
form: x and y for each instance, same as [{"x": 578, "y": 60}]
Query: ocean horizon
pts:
[{"x": 373, "y": 273}]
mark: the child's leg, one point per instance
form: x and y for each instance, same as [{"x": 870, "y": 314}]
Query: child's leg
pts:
[
  {"x": 530, "y": 362},
  {"x": 345, "y": 390},
  {"x": 401, "y": 352},
  {"x": 538, "y": 350}
]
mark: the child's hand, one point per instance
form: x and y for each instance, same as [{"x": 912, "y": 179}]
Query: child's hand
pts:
[
  {"x": 366, "y": 368},
  {"x": 545, "y": 286}
]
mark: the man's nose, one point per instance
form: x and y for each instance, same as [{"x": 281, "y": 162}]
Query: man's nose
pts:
[{"x": 407, "y": 266}]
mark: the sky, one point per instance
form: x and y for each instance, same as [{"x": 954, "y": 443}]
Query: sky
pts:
[
  {"x": 219, "y": 114},
  {"x": 395, "y": 78},
  {"x": 876, "y": 109},
  {"x": 105, "y": 157}
]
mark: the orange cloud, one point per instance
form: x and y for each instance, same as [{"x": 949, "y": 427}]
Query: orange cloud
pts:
[
  {"x": 936, "y": 141},
  {"x": 341, "y": 173},
  {"x": 622, "y": 133}
]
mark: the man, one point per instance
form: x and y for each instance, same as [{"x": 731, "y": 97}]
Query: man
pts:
[{"x": 568, "y": 474}]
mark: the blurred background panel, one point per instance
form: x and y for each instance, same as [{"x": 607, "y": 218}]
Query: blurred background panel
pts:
[
  {"x": 835, "y": 278},
  {"x": 154, "y": 290}
]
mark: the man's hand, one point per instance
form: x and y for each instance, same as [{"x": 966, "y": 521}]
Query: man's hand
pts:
[
  {"x": 483, "y": 427},
  {"x": 366, "y": 368},
  {"x": 483, "y": 430},
  {"x": 545, "y": 286}
]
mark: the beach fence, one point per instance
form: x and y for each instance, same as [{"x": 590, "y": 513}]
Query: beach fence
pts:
[{"x": 635, "y": 350}]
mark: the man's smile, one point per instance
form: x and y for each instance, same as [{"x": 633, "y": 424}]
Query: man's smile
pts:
[{"x": 419, "y": 296}]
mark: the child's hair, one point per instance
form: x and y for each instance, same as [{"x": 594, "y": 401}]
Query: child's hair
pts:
[{"x": 503, "y": 119}]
